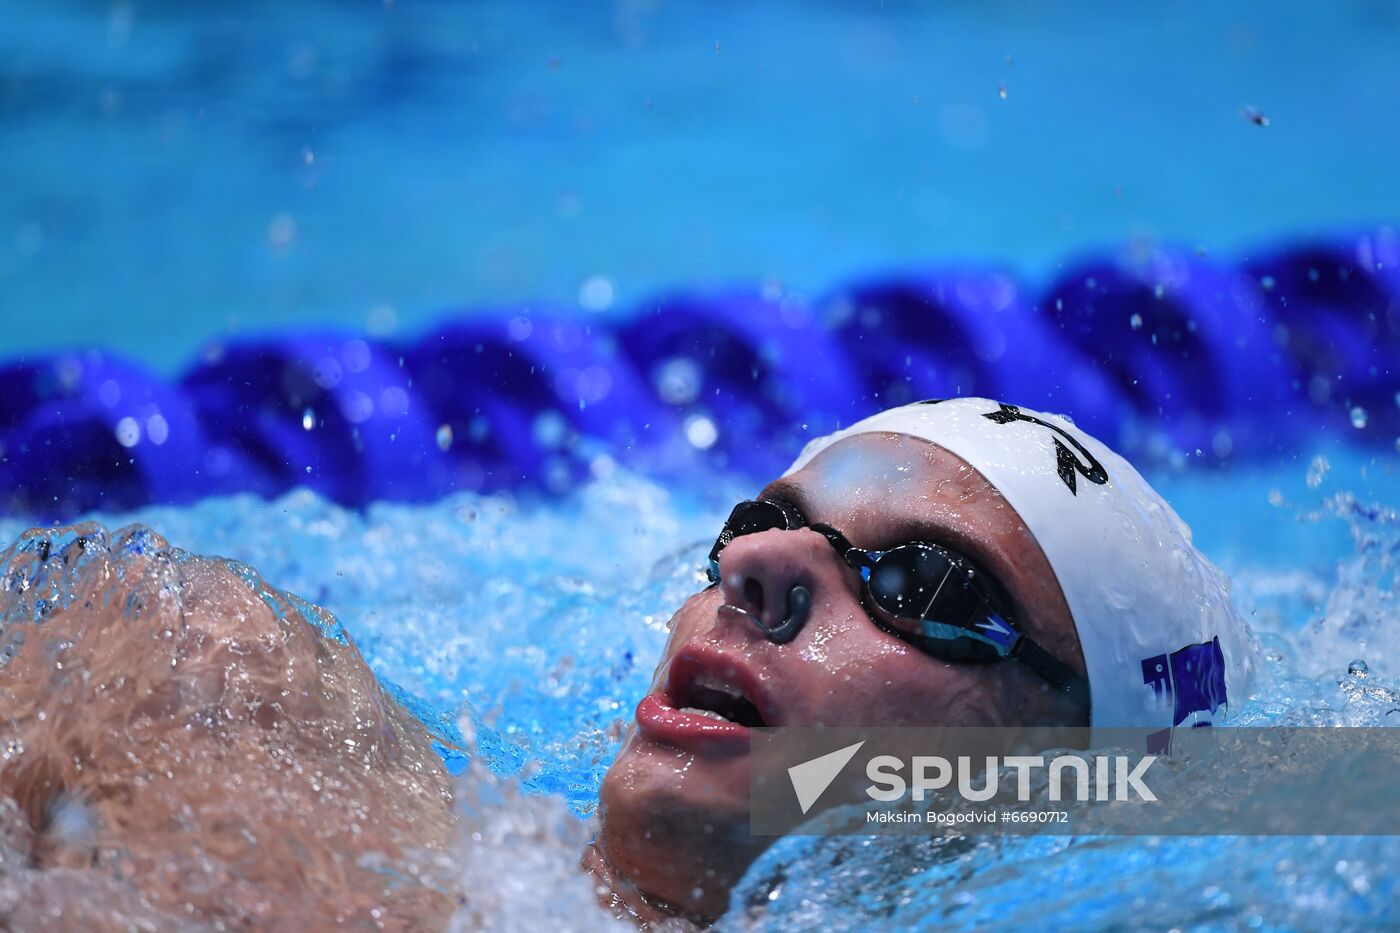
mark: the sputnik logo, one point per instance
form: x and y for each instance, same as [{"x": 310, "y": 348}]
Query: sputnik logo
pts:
[{"x": 811, "y": 778}]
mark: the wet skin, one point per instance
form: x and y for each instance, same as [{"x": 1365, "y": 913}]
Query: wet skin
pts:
[
  {"x": 178, "y": 744},
  {"x": 675, "y": 802}
]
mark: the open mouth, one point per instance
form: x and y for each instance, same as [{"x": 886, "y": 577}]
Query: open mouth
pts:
[
  {"x": 708, "y": 701},
  {"x": 713, "y": 696}
]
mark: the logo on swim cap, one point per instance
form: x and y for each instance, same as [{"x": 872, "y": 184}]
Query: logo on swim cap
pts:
[{"x": 1066, "y": 463}]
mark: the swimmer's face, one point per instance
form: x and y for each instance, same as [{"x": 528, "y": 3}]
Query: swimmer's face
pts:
[{"x": 675, "y": 803}]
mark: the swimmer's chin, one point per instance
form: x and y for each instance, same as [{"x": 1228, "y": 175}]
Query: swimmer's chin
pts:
[{"x": 675, "y": 825}]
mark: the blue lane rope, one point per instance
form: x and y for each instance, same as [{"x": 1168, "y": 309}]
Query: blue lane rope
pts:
[{"x": 1163, "y": 354}]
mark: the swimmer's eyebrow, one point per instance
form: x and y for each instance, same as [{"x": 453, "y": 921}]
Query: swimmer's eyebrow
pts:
[
  {"x": 786, "y": 491},
  {"x": 900, "y": 530}
]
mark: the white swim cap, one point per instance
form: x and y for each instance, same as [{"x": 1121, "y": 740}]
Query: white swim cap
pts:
[{"x": 1162, "y": 643}]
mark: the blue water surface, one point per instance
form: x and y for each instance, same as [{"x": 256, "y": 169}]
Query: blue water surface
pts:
[{"x": 176, "y": 174}]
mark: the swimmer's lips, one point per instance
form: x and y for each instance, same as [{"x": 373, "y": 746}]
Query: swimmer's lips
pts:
[{"x": 704, "y": 680}]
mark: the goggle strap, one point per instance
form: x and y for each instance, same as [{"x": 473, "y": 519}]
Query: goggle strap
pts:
[
  {"x": 853, "y": 556},
  {"x": 1054, "y": 671}
]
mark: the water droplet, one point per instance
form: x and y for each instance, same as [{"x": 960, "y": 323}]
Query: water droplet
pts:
[
  {"x": 1317, "y": 471},
  {"x": 128, "y": 432},
  {"x": 381, "y": 320},
  {"x": 1001, "y": 90},
  {"x": 356, "y": 406},
  {"x": 701, "y": 432},
  {"x": 1136, "y": 321},
  {"x": 444, "y": 436},
  {"x": 549, "y": 429},
  {"x": 281, "y": 231},
  {"x": 1267, "y": 282},
  {"x": 308, "y": 420},
  {"x": 596, "y": 293},
  {"x": 1358, "y": 668},
  {"x": 678, "y": 380},
  {"x": 1159, "y": 290},
  {"x": 1358, "y": 417},
  {"x": 157, "y": 429}
]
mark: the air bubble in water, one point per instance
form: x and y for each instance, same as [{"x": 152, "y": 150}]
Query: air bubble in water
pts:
[
  {"x": 1358, "y": 417},
  {"x": 308, "y": 420},
  {"x": 1136, "y": 321},
  {"x": 444, "y": 437}
]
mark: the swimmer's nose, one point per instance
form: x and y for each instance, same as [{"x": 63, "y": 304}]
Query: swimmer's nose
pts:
[{"x": 770, "y": 578}]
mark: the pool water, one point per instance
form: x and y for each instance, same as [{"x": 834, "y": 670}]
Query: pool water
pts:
[
  {"x": 535, "y": 626},
  {"x": 187, "y": 182},
  {"x": 178, "y": 175}
]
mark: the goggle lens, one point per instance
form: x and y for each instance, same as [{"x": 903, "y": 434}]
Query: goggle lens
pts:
[
  {"x": 749, "y": 518},
  {"x": 918, "y": 590}
]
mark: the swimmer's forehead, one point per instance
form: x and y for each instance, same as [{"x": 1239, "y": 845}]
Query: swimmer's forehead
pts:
[
  {"x": 882, "y": 464},
  {"x": 893, "y": 483}
]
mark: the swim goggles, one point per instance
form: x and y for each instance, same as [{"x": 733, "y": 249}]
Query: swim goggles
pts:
[{"x": 932, "y": 598}]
